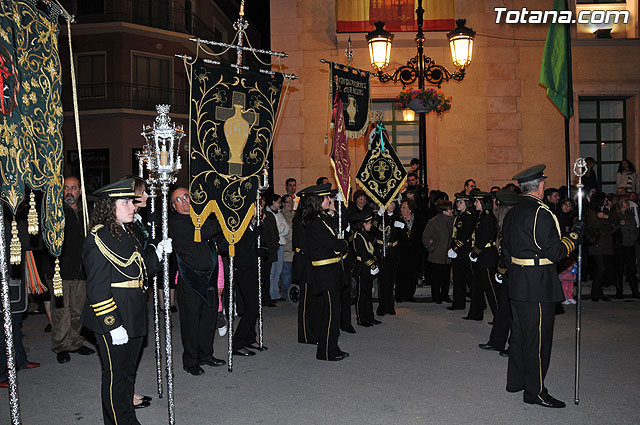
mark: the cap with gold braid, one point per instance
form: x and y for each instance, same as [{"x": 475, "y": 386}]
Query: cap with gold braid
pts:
[{"x": 122, "y": 189}]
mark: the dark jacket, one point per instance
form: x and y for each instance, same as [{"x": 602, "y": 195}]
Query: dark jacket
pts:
[
  {"x": 325, "y": 253},
  {"x": 70, "y": 262},
  {"x": 484, "y": 240},
  {"x": 269, "y": 237},
  {"x": 196, "y": 255},
  {"x": 603, "y": 230},
  {"x": 531, "y": 232},
  {"x": 437, "y": 238},
  {"x": 463, "y": 226}
]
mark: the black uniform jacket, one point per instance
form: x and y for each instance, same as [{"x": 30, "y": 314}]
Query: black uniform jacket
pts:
[
  {"x": 463, "y": 227},
  {"x": 326, "y": 254},
  {"x": 531, "y": 232},
  {"x": 363, "y": 246},
  {"x": 410, "y": 240},
  {"x": 392, "y": 233},
  {"x": 115, "y": 272},
  {"x": 301, "y": 265},
  {"x": 484, "y": 245}
]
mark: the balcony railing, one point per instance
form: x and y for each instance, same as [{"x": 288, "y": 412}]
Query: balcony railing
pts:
[
  {"x": 142, "y": 12},
  {"x": 126, "y": 96}
]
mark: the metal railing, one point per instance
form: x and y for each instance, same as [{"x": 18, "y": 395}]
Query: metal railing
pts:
[{"x": 126, "y": 96}]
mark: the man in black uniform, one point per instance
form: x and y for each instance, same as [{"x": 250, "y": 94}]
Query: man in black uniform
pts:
[{"x": 532, "y": 245}]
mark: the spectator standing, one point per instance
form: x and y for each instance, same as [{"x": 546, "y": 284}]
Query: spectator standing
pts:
[
  {"x": 626, "y": 176},
  {"x": 601, "y": 223},
  {"x": 590, "y": 179},
  {"x": 287, "y": 253},
  {"x": 411, "y": 252},
  {"x": 625, "y": 248},
  {"x": 290, "y": 186},
  {"x": 436, "y": 239},
  {"x": 275, "y": 205}
]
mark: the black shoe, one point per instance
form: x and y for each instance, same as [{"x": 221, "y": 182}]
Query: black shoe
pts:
[
  {"x": 212, "y": 362},
  {"x": 83, "y": 351},
  {"x": 271, "y": 304},
  {"x": 365, "y": 324},
  {"x": 142, "y": 404},
  {"x": 375, "y": 322},
  {"x": 173, "y": 309},
  {"x": 47, "y": 329},
  {"x": 490, "y": 323},
  {"x": 472, "y": 318},
  {"x": 349, "y": 330},
  {"x": 63, "y": 356},
  {"x": 145, "y": 398},
  {"x": 255, "y": 346},
  {"x": 243, "y": 352},
  {"x": 339, "y": 357},
  {"x": 547, "y": 401},
  {"x": 194, "y": 370},
  {"x": 635, "y": 295},
  {"x": 392, "y": 312},
  {"x": 454, "y": 308},
  {"x": 438, "y": 302},
  {"x": 604, "y": 298},
  {"x": 595, "y": 299},
  {"x": 505, "y": 352},
  {"x": 380, "y": 313},
  {"x": 488, "y": 346},
  {"x": 448, "y": 300}
]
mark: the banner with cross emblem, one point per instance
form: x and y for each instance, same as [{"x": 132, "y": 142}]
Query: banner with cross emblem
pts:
[
  {"x": 381, "y": 174},
  {"x": 352, "y": 86},
  {"x": 231, "y": 121}
]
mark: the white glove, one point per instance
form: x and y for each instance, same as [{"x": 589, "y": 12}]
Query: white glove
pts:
[
  {"x": 119, "y": 336},
  {"x": 339, "y": 197},
  {"x": 472, "y": 258},
  {"x": 381, "y": 211},
  {"x": 164, "y": 246},
  {"x": 375, "y": 271},
  {"x": 497, "y": 278},
  {"x": 348, "y": 228},
  {"x": 451, "y": 253},
  {"x": 398, "y": 224}
]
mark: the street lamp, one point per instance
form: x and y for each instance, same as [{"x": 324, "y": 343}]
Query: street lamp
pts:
[{"x": 421, "y": 68}]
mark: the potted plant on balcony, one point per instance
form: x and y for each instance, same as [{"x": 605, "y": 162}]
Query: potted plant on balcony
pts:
[{"x": 423, "y": 101}]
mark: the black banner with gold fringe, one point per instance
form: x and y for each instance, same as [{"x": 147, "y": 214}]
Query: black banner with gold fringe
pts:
[
  {"x": 352, "y": 85},
  {"x": 381, "y": 174},
  {"x": 232, "y": 118}
]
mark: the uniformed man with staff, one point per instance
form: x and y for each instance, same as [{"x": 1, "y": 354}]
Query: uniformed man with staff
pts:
[{"x": 532, "y": 245}]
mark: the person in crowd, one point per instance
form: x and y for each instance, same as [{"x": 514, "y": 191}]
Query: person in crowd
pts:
[
  {"x": 413, "y": 182},
  {"x": 625, "y": 252},
  {"x": 274, "y": 202},
  {"x": 411, "y": 252},
  {"x": 270, "y": 241},
  {"x": 502, "y": 322},
  {"x": 326, "y": 276},
  {"x": 633, "y": 204},
  {"x": 359, "y": 202},
  {"x": 469, "y": 185},
  {"x": 532, "y": 244},
  {"x": 391, "y": 224},
  {"x": 602, "y": 223},
  {"x": 290, "y": 186},
  {"x": 308, "y": 304},
  {"x": 435, "y": 196},
  {"x": 626, "y": 176},
  {"x": 21, "y": 360},
  {"x": 436, "y": 239},
  {"x": 115, "y": 311},
  {"x": 365, "y": 266},
  {"x": 66, "y": 321},
  {"x": 552, "y": 199},
  {"x": 287, "y": 252},
  {"x": 485, "y": 256},
  {"x": 414, "y": 166},
  {"x": 197, "y": 290},
  {"x": 322, "y": 180},
  {"x": 567, "y": 267},
  {"x": 463, "y": 226},
  {"x": 590, "y": 179}
]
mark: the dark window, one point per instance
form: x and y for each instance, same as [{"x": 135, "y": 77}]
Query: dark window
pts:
[
  {"x": 151, "y": 81},
  {"x": 603, "y": 136},
  {"x": 91, "y": 75}
]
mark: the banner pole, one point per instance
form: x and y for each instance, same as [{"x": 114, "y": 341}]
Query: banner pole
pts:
[{"x": 579, "y": 169}]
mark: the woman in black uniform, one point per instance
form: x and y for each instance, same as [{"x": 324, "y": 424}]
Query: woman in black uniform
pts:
[
  {"x": 463, "y": 226},
  {"x": 388, "y": 263},
  {"x": 365, "y": 265},
  {"x": 326, "y": 276},
  {"x": 484, "y": 254},
  {"x": 116, "y": 266}
]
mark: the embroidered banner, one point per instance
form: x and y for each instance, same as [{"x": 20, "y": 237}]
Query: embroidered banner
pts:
[
  {"x": 353, "y": 86},
  {"x": 340, "y": 151},
  {"x": 231, "y": 121},
  {"x": 381, "y": 174},
  {"x": 398, "y": 15},
  {"x": 31, "y": 113}
]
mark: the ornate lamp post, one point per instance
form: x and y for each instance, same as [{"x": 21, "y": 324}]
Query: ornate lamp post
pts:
[
  {"x": 163, "y": 139},
  {"x": 421, "y": 68}
]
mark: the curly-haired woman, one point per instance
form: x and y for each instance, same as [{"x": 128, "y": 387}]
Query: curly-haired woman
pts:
[{"x": 116, "y": 266}]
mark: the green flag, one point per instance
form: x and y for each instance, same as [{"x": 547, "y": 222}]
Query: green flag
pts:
[{"x": 555, "y": 72}]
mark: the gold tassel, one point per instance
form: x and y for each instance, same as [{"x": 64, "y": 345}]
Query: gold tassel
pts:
[
  {"x": 57, "y": 280},
  {"x": 14, "y": 247},
  {"x": 32, "y": 217}
]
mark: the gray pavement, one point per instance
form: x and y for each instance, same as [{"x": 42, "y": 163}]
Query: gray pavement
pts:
[{"x": 422, "y": 366}]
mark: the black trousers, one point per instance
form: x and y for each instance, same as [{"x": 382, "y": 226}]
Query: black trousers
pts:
[
  {"x": 530, "y": 349},
  {"x": 461, "y": 277},
  {"x": 502, "y": 320},
  {"x": 329, "y": 321},
  {"x": 308, "y": 313},
  {"x": 386, "y": 281},
  {"x": 440, "y": 278},
  {"x": 627, "y": 266},
  {"x": 407, "y": 277},
  {"x": 197, "y": 325},
  {"x": 345, "y": 298},
  {"x": 118, "y": 378},
  {"x": 483, "y": 284},
  {"x": 364, "y": 304},
  {"x": 599, "y": 270},
  {"x": 247, "y": 301}
]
